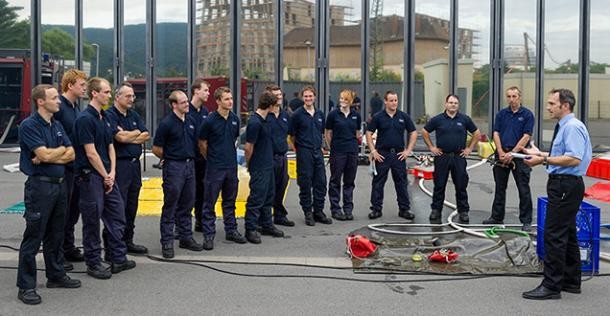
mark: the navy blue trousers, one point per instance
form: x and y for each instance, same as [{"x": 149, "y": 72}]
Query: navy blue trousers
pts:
[
  {"x": 311, "y": 178},
  {"x": 95, "y": 204},
  {"x": 399, "y": 176},
  {"x": 280, "y": 171},
  {"x": 561, "y": 251},
  {"x": 521, "y": 173},
  {"x": 200, "y": 166},
  {"x": 444, "y": 165},
  {"x": 217, "y": 180},
  {"x": 129, "y": 181},
  {"x": 260, "y": 200},
  {"x": 342, "y": 165},
  {"x": 45, "y": 207},
  {"x": 178, "y": 199},
  {"x": 72, "y": 212}
]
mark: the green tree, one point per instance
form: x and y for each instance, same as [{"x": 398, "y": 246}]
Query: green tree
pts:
[{"x": 14, "y": 34}]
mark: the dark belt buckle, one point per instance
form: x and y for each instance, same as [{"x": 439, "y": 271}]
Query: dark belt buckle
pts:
[{"x": 393, "y": 150}]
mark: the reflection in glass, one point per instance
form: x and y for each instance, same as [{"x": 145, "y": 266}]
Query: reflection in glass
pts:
[
  {"x": 561, "y": 55},
  {"x": 15, "y": 104},
  {"x": 171, "y": 51},
  {"x": 135, "y": 51},
  {"x": 98, "y": 38},
  {"x": 345, "y": 52},
  {"x": 386, "y": 58},
  {"x": 299, "y": 49},
  {"x": 257, "y": 51},
  {"x": 599, "y": 78},
  {"x": 431, "y": 56},
  {"x": 473, "y": 60},
  {"x": 520, "y": 50}
]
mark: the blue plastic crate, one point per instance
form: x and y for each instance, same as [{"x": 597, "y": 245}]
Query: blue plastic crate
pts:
[
  {"x": 587, "y": 219},
  {"x": 589, "y": 252},
  {"x": 587, "y": 227}
]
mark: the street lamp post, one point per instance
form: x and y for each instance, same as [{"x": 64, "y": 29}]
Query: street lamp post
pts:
[{"x": 97, "y": 58}]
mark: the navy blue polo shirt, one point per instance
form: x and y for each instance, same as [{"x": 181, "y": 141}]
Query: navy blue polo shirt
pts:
[
  {"x": 128, "y": 122},
  {"x": 221, "y": 134},
  {"x": 307, "y": 129},
  {"x": 176, "y": 137},
  {"x": 511, "y": 126},
  {"x": 67, "y": 114},
  {"x": 91, "y": 127},
  {"x": 344, "y": 131},
  {"x": 391, "y": 130},
  {"x": 198, "y": 117},
  {"x": 35, "y": 132},
  {"x": 451, "y": 132},
  {"x": 257, "y": 133},
  {"x": 278, "y": 128}
]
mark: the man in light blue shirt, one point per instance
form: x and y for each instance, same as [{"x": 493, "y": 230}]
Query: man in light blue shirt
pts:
[{"x": 567, "y": 161}]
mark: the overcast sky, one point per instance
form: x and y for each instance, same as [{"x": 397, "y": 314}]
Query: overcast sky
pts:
[{"x": 561, "y": 20}]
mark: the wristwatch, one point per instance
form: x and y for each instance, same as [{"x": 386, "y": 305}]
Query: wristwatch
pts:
[{"x": 545, "y": 161}]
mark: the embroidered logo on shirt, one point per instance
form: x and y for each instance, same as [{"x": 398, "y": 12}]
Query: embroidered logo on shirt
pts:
[
  {"x": 234, "y": 123},
  {"x": 401, "y": 120},
  {"x": 59, "y": 134},
  {"x": 133, "y": 123},
  {"x": 108, "y": 124},
  {"x": 319, "y": 120},
  {"x": 191, "y": 127},
  {"x": 354, "y": 118},
  {"x": 459, "y": 123},
  {"x": 520, "y": 119},
  {"x": 284, "y": 119}
]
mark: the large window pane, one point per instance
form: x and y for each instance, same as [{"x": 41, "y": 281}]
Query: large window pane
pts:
[
  {"x": 386, "y": 57},
  {"x": 171, "y": 51},
  {"x": 561, "y": 54},
  {"x": 345, "y": 51},
  {"x": 599, "y": 80},
  {"x": 14, "y": 71},
  {"x": 299, "y": 47},
  {"x": 473, "y": 60},
  {"x": 135, "y": 51},
  {"x": 257, "y": 50},
  {"x": 213, "y": 39},
  {"x": 520, "y": 50},
  {"x": 98, "y": 39},
  {"x": 57, "y": 21},
  {"x": 432, "y": 54}
]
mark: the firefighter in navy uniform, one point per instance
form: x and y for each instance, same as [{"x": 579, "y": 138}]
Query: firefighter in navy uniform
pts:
[
  {"x": 389, "y": 153},
  {"x": 73, "y": 86},
  {"x": 450, "y": 154},
  {"x": 129, "y": 135},
  {"x": 174, "y": 144},
  {"x": 45, "y": 150},
  {"x": 200, "y": 91},
  {"x": 306, "y": 130},
  {"x": 99, "y": 196},
  {"x": 279, "y": 121},
  {"x": 217, "y": 144},
  {"x": 258, "y": 152}
]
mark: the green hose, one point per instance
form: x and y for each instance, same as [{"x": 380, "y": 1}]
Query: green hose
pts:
[{"x": 493, "y": 232}]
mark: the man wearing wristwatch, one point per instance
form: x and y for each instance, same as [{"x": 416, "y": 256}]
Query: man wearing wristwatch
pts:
[{"x": 566, "y": 162}]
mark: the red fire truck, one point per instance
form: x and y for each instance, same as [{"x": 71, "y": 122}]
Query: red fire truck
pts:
[{"x": 16, "y": 87}]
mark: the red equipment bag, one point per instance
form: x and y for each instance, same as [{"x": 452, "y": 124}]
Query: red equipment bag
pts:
[
  {"x": 359, "y": 246},
  {"x": 444, "y": 255}
]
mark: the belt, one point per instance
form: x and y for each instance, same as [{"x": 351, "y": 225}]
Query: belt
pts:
[
  {"x": 181, "y": 160},
  {"x": 129, "y": 159},
  {"x": 57, "y": 180},
  {"x": 279, "y": 154},
  {"x": 452, "y": 154},
  {"x": 392, "y": 150},
  {"x": 564, "y": 176}
]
